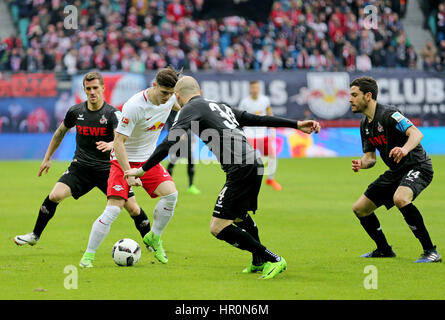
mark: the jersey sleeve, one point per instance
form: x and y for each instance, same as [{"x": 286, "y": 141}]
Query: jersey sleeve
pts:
[
  {"x": 129, "y": 119},
  {"x": 366, "y": 144},
  {"x": 70, "y": 118},
  {"x": 246, "y": 119},
  {"x": 115, "y": 117},
  {"x": 397, "y": 120}
]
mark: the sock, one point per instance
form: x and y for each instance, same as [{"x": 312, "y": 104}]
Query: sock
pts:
[
  {"x": 142, "y": 223},
  {"x": 271, "y": 167},
  {"x": 164, "y": 212},
  {"x": 191, "y": 172},
  {"x": 372, "y": 226},
  {"x": 240, "y": 239},
  {"x": 46, "y": 212},
  {"x": 101, "y": 227},
  {"x": 250, "y": 227},
  {"x": 415, "y": 222},
  {"x": 170, "y": 167}
]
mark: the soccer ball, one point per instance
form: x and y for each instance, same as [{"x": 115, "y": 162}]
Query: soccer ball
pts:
[{"x": 126, "y": 252}]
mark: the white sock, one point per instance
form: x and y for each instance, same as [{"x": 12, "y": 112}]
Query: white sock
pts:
[
  {"x": 164, "y": 212},
  {"x": 101, "y": 227},
  {"x": 271, "y": 167}
]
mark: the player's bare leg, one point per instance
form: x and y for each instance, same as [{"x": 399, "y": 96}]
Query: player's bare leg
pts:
[
  {"x": 100, "y": 229},
  {"x": 162, "y": 215},
  {"x": 47, "y": 210},
  {"x": 364, "y": 210},
  {"x": 403, "y": 200},
  {"x": 223, "y": 229}
]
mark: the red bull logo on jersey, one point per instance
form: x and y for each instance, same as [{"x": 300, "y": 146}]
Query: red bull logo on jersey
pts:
[
  {"x": 158, "y": 125},
  {"x": 327, "y": 94}
]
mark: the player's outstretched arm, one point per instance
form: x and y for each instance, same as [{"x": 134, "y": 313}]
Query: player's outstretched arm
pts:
[
  {"x": 246, "y": 119},
  {"x": 57, "y": 138},
  {"x": 414, "y": 138},
  {"x": 309, "y": 126},
  {"x": 367, "y": 161}
]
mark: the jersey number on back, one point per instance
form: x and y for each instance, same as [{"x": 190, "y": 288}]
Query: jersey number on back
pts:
[{"x": 230, "y": 121}]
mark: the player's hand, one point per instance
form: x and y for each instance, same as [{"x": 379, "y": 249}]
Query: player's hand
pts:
[
  {"x": 309, "y": 126},
  {"x": 104, "y": 146},
  {"x": 356, "y": 165},
  {"x": 133, "y": 172},
  {"x": 134, "y": 182},
  {"x": 397, "y": 153},
  {"x": 46, "y": 164}
]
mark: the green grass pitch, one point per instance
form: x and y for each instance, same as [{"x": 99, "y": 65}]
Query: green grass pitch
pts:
[{"x": 310, "y": 223}]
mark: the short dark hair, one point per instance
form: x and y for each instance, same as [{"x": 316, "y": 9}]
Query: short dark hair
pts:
[
  {"x": 167, "y": 77},
  {"x": 253, "y": 82},
  {"x": 366, "y": 84},
  {"x": 92, "y": 76}
]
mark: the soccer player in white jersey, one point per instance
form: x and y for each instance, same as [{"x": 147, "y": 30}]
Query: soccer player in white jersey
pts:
[
  {"x": 258, "y": 137},
  {"x": 143, "y": 117}
]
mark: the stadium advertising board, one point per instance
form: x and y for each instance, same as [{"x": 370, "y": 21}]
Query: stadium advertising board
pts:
[
  {"x": 27, "y": 122},
  {"x": 324, "y": 95}
]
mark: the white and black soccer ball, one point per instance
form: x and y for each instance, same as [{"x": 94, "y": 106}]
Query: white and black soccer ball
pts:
[{"x": 126, "y": 252}]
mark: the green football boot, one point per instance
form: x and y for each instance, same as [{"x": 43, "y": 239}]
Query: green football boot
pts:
[
  {"x": 271, "y": 269},
  {"x": 87, "y": 260},
  {"x": 193, "y": 190},
  {"x": 251, "y": 268},
  {"x": 155, "y": 242}
]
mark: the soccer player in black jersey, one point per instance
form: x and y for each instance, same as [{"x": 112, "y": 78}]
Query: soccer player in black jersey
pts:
[
  {"x": 220, "y": 127},
  {"x": 95, "y": 122},
  {"x": 387, "y": 130}
]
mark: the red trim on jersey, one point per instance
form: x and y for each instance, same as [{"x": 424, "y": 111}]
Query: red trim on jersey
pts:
[{"x": 143, "y": 93}]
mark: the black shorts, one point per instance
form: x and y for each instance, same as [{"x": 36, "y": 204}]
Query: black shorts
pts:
[
  {"x": 240, "y": 193},
  {"x": 382, "y": 190},
  {"x": 81, "y": 179}
]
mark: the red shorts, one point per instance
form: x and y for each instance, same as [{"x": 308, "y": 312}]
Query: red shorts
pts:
[
  {"x": 118, "y": 186},
  {"x": 264, "y": 145}
]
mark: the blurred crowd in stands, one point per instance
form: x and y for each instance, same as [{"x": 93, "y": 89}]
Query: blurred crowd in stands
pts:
[{"x": 141, "y": 35}]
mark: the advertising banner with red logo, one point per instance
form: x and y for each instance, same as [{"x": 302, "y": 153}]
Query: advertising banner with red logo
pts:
[{"x": 325, "y": 95}]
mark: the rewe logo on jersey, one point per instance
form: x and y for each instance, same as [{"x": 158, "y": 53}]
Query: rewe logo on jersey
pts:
[{"x": 158, "y": 125}]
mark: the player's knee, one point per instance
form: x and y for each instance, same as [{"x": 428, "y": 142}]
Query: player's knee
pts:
[
  {"x": 56, "y": 196},
  {"x": 215, "y": 229},
  {"x": 400, "y": 201},
  {"x": 359, "y": 210}
]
